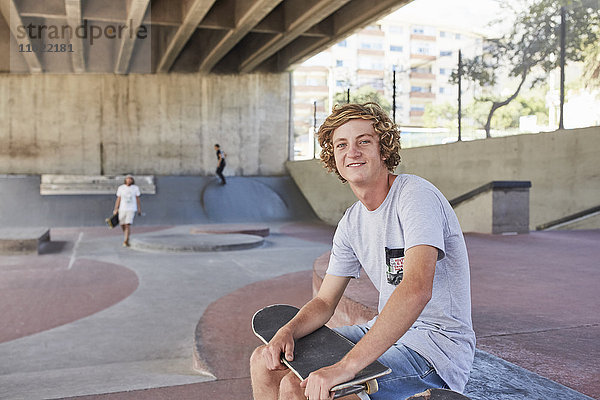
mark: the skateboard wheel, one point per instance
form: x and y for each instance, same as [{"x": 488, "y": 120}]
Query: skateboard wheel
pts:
[{"x": 371, "y": 386}]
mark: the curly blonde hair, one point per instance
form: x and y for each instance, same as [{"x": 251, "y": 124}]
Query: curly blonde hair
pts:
[{"x": 389, "y": 134}]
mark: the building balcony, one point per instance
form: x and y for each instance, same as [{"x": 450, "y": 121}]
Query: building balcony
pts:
[
  {"x": 422, "y": 57},
  {"x": 416, "y": 113},
  {"x": 370, "y": 72},
  {"x": 311, "y": 89},
  {"x": 421, "y": 95},
  {"x": 372, "y": 32},
  {"x": 428, "y": 38},
  {"x": 421, "y": 75},
  {"x": 370, "y": 52}
]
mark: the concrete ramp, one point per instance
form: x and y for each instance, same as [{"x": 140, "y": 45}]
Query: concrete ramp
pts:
[{"x": 244, "y": 200}]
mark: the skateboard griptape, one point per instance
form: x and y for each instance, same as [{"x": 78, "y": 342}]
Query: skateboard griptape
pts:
[{"x": 308, "y": 359}]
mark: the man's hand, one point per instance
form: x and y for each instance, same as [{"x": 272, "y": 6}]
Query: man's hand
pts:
[
  {"x": 282, "y": 343},
  {"x": 319, "y": 383}
]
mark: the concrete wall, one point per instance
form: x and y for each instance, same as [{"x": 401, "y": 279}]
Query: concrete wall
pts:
[
  {"x": 178, "y": 200},
  {"x": 563, "y": 166},
  {"x": 164, "y": 124}
]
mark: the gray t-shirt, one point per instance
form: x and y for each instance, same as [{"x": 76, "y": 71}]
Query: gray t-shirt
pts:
[{"x": 415, "y": 213}]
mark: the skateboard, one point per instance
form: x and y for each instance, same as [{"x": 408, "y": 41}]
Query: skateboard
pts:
[
  {"x": 319, "y": 349},
  {"x": 113, "y": 220},
  {"x": 438, "y": 394}
]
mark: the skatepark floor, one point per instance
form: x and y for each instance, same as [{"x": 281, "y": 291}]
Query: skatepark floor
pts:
[{"x": 89, "y": 319}]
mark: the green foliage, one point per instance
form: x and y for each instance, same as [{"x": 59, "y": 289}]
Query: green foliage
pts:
[
  {"x": 363, "y": 95},
  {"x": 440, "y": 115},
  {"x": 532, "y": 47},
  {"x": 592, "y": 66},
  {"x": 507, "y": 117}
]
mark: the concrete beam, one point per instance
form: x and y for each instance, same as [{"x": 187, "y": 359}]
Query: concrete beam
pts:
[
  {"x": 73, "y": 10},
  {"x": 343, "y": 23},
  {"x": 197, "y": 11},
  {"x": 135, "y": 14},
  {"x": 250, "y": 15},
  {"x": 299, "y": 18},
  {"x": 13, "y": 19}
]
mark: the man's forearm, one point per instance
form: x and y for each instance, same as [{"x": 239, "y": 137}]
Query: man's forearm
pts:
[
  {"x": 311, "y": 317},
  {"x": 401, "y": 311},
  {"x": 319, "y": 310}
]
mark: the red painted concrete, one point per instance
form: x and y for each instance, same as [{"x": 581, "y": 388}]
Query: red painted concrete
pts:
[
  {"x": 226, "y": 332},
  {"x": 235, "y": 389},
  {"x": 40, "y": 293},
  {"x": 315, "y": 232},
  {"x": 535, "y": 303}
]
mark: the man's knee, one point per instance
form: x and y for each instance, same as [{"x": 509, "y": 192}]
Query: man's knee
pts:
[
  {"x": 256, "y": 359},
  {"x": 290, "y": 384}
]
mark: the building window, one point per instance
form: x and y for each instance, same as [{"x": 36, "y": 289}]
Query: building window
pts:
[
  {"x": 457, "y": 36},
  {"x": 418, "y": 30},
  {"x": 442, "y": 34},
  {"x": 340, "y": 83},
  {"x": 417, "y": 89},
  {"x": 447, "y": 53},
  {"x": 396, "y": 48},
  {"x": 421, "y": 70},
  {"x": 417, "y": 108},
  {"x": 442, "y": 71},
  {"x": 316, "y": 81},
  {"x": 442, "y": 90},
  {"x": 343, "y": 43},
  {"x": 377, "y": 84},
  {"x": 371, "y": 45},
  {"x": 395, "y": 29},
  {"x": 339, "y": 63}
]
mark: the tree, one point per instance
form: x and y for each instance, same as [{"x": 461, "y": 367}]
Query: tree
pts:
[
  {"x": 532, "y": 48},
  {"x": 440, "y": 115},
  {"x": 592, "y": 67},
  {"x": 363, "y": 95}
]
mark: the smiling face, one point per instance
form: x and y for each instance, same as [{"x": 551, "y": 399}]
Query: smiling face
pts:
[{"x": 357, "y": 152}]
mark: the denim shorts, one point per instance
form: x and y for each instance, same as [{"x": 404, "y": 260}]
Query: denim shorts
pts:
[{"x": 411, "y": 373}]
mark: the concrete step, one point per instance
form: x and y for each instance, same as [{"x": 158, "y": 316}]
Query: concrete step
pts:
[
  {"x": 23, "y": 240},
  {"x": 248, "y": 229},
  {"x": 52, "y": 184},
  {"x": 174, "y": 241}
]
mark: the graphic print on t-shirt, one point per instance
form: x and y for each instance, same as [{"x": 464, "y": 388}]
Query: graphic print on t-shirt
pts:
[{"x": 394, "y": 260}]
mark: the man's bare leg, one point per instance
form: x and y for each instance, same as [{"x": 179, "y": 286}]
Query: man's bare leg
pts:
[
  {"x": 127, "y": 231},
  {"x": 265, "y": 383},
  {"x": 276, "y": 385}
]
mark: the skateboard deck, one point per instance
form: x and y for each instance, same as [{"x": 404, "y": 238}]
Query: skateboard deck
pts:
[
  {"x": 319, "y": 349},
  {"x": 438, "y": 394},
  {"x": 113, "y": 220}
]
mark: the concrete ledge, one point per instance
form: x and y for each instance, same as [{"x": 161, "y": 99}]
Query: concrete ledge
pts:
[
  {"x": 256, "y": 230},
  {"x": 182, "y": 243},
  {"x": 23, "y": 240},
  {"x": 91, "y": 184},
  {"x": 496, "y": 207}
]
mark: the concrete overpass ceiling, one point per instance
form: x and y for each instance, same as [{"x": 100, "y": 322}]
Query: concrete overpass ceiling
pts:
[{"x": 162, "y": 36}]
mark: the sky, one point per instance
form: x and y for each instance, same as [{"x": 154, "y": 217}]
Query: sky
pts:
[{"x": 472, "y": 15}]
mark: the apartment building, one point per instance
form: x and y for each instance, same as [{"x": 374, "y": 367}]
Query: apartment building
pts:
[{"x": 418, "y": 56}]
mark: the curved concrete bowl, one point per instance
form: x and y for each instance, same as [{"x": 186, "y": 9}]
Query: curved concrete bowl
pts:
[{"x": 202, "y": 242}]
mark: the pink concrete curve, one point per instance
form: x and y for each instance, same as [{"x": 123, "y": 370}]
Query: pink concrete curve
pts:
[{"x": 36, "y": 296}]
